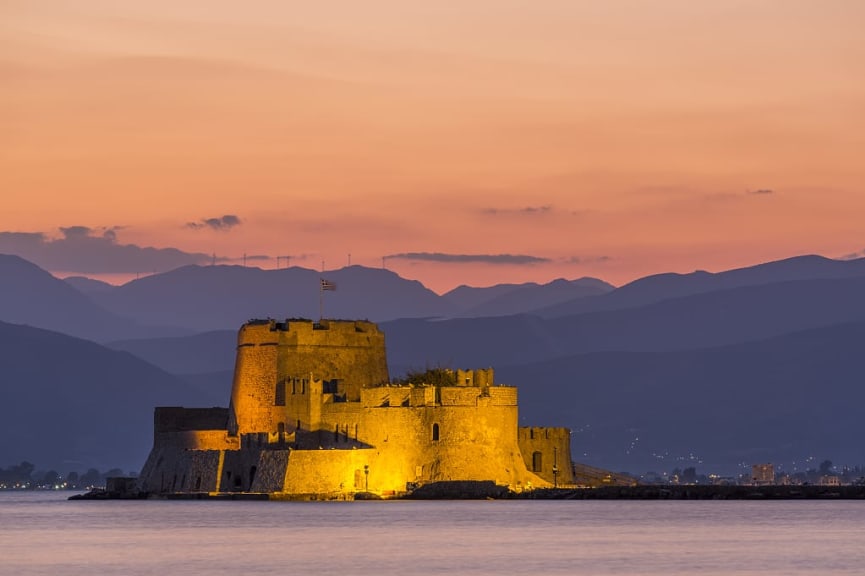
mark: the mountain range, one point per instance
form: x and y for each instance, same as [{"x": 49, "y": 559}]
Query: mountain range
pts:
[
  {"x": 70, "y": 403},
  {"x": 712, "y": 369}
]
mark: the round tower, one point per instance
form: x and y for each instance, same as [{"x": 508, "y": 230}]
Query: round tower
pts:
[{"x": 253, "y": 393}]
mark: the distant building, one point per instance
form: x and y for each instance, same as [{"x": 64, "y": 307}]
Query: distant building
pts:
[
  {"x": 762, "y": 474},
  {"x": 830, "y": 480}
]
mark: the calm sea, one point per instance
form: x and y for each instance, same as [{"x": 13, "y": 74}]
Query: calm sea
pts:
[{"x": 42, "y": 533}]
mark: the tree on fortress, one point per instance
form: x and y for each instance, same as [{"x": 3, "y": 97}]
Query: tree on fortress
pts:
[{"x": 430, "y": 376}]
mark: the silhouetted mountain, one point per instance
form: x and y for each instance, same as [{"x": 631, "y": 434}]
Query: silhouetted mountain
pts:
[
  {"x": 699, "y": 320},
  {"x": 30, "y": 295},
  {"x": 779, "y": 400},
  {"x": 223, "y": 297},
  {"x": 665, "y": 286},
  {"x": 196, "y": 354},
  {"x": 465, "y": 297},
  {"x": 87, "y": 285},
  {"x": 218, "y": 383},
  {"x": 73, "y": 404},
  {"x": 519, "y": 299}
]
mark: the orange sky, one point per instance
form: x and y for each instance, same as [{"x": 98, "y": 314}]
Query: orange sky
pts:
[{"x": 612, "y": 139}]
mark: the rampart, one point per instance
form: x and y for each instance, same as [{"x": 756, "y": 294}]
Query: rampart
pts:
[{"x": 547, "y": 453}]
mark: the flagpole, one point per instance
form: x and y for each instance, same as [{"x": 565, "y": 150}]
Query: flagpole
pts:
[
  {"x": 323, "y": 286},
  {"x": 321, "y": 294}
]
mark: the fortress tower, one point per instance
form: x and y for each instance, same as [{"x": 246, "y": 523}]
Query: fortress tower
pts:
[{"x": 272, "y": 356}]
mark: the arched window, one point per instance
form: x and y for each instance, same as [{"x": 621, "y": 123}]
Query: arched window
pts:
[
  {"x": 435, "y": 432},
  {"x": 537, "y": 462}
]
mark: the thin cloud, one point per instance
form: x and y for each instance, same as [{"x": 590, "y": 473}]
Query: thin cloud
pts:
[
  {"x": 854, "y": 255},
  {"x": 500, "y": 259},
  {"x": 761, "y": 192},
  {"x": 525, "y": 211},
  {"x": 221, "y": 224},
  {"x": 588, "y": 259},
  {"x": 85, "y": 250}
]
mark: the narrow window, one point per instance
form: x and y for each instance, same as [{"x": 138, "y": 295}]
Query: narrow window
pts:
[
  {"x": 279, "y": 394},
  {"x": 531, "y": 433},
  {"x": 435, "y": 433},
  {"x": 537, "y": 462}
]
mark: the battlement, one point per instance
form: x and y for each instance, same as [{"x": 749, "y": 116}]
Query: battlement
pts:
[
  {"x": 543, "y": 433},
  {"x": 412, "y": 395},
  {"x": 306, "y": 332}
]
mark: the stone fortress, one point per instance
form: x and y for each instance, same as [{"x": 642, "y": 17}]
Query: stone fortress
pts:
[{"x": 314, "y": 415}]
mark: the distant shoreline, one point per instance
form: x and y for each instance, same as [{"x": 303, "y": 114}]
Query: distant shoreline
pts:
[
  {"x": 482, "y": 491},
  {"x": 697, "y": 492}
]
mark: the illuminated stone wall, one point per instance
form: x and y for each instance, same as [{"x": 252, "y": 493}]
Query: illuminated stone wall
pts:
[
  {"x": 542, "y": 448},
  {"x": 272, "y": 354},
  {"x": 312, "y": 415}
]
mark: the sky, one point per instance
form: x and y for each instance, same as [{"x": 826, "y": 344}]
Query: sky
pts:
[{"x": 454, "y": 142}]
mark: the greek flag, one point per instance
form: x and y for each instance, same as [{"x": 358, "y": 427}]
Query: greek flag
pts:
[{"x": 327, "y": 285}]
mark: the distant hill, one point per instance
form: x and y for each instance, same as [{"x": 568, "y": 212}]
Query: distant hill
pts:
[
  {"x": 464, "y": 297},
  {"x": 660, "y": 287},
  {"x": 71, "y": 404},
  {"x": 695, "y": 321},
  {"x": 196, "y": 354},
  {"x": 778, "y": 400},
  {"x": 87, "y": 285},
  {"x": 30, "y": 295},
  {"x": 523, "y": 298},
  {"x": 218, "y": 383},
  {"x": 205, "y": 298}
]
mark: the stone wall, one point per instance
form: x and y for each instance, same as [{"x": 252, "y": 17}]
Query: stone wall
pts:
[
  {"x": 273, "y": 355},
  {"x": 542, "y": 448},
  {"x": 173, "y": 418}
]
